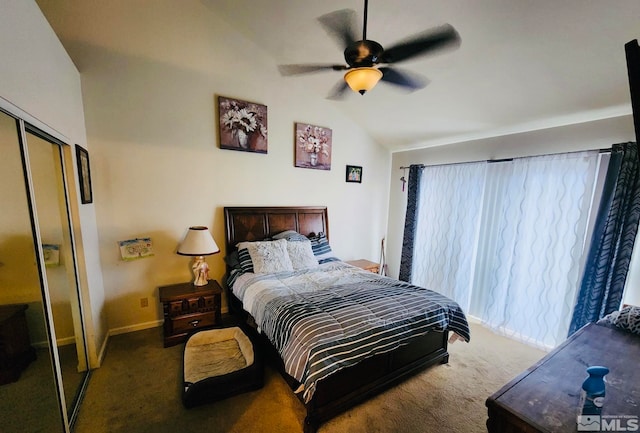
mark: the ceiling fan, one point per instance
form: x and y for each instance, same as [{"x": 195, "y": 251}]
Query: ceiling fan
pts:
[{"x": 364, "y": 57}]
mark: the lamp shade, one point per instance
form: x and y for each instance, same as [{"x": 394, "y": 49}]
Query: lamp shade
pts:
[
  {"x": 198, "y": 242},
  {"x": 362, "y": 80}
]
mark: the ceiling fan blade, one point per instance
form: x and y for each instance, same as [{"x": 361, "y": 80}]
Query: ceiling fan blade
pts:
[
  {"x": 339, "y": 90},
  {"x": 423, "y": 43},
  {"x": 407, "y": 80},
  {"x": 341, "y": 25},
  {"x": 287, "y": 70}
]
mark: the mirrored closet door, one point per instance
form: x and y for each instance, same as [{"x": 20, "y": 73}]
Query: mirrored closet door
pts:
[{"x": 38, "y": 285}]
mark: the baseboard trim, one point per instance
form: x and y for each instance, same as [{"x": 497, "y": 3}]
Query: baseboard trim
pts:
[
  {"x": 60, "y": 342},
  {"x": 103, "y": 351},
  {"x": 473, "y": 319},
  {"x": 136, "y": 327}
]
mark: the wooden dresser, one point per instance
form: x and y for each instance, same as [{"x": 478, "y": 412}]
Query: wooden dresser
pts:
[
  {"x": 16, "y": 352},
  {"x": 188, "y": 308},
  {"x": 545, "y": 398}
]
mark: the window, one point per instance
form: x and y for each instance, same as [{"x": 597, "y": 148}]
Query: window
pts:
[{"x": 506, "y": 240}]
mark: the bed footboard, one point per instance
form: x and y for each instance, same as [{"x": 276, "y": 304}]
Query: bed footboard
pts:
[{"x": 351, "y": 386}]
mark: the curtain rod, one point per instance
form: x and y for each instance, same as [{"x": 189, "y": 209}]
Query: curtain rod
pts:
[{"x": 604, "y": 150}]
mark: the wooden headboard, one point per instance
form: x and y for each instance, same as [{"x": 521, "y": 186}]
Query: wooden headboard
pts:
[{"x": 257, "y": 223}]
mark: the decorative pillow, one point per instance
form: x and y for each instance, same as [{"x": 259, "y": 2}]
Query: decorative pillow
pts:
[
  {"x": 233, "y": 260},
  {"x": 270, "y": 256},
  {"x": 291, "y": 236},
  {"x": 322, "y": 249},
  {"x": 628, "y": 319},
  {"x": 245, "y": 259},
  {"x": 301, "y": 254}
]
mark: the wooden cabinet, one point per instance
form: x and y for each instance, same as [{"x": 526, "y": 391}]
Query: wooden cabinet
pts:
[
  {"x": 188, "y": 308},
  {"x": 365, "y": 264},
  {"x": 15, "y": 348},
  {"x": 545, "y": 398}
]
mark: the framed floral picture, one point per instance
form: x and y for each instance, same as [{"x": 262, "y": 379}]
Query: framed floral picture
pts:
[
  {"x": 313, "y": 146},
  {"x": 354, "y": 173},
  {"x": 242, "y": 125}
]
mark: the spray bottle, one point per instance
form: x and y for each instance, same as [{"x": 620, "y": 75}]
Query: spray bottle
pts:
[{"x": 593, "y": 390}]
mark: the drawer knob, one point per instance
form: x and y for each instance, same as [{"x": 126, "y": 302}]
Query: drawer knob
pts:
[{"x": 194, "y": 323}]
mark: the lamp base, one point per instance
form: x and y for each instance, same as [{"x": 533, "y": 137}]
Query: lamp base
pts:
[{"x": 200, "y": 271}]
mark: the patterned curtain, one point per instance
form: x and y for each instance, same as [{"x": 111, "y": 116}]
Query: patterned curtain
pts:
[
  {"x": 506, "y": 240},
  {"x": 532, "y": 243},
  {"x": 410, "y": 222},
  {"x": 612, "y": 241},
  {"x": 446, "y": 238}
]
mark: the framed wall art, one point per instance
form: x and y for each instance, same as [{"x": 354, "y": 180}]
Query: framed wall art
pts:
[
  {"x": 138, "y": 248},
  {"x": 51, "y": 253},
  {"x": 313, "y": 146},
  {"x": 354, "y": 173},
  {"x": 84, "y": 175},
  {"x": 242, "y": 125}
]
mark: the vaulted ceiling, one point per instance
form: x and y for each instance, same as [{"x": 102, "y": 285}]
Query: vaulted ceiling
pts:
[{"x": 522, "y": 65}]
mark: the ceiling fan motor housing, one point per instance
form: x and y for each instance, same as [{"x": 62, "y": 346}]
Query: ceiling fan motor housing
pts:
[{"x": 363, "y": 53}]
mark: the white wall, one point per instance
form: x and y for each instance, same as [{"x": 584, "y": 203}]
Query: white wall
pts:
[
  {"x": 150, "y": 77},
  {"x": 592, "y": 135},
  {"x": 39, "y": 82}
]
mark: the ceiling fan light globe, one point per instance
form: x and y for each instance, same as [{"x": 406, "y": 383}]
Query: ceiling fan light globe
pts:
[{"x": 361, "y": 80}]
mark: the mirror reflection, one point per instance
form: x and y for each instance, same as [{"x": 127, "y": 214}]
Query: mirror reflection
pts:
[
  {"x": 45, "y": 161},
  {"x": 28, "y": 395}
]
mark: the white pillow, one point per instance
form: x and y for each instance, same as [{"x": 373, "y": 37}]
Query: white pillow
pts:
[
  {"x": 301, "y": 255},
  {"x": 269, "y": 256}
]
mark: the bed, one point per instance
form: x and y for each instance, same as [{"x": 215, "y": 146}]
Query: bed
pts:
[{"x": 345, "y": 361}]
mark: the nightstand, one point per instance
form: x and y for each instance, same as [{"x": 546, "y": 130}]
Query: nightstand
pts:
[
  {"x": 365, "y": 264},
  {"x": 16, "y": 352},
  {"x": 188, "y": 308}
]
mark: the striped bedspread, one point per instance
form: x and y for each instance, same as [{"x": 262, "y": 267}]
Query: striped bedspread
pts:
[{"x": 324, "y": 319}]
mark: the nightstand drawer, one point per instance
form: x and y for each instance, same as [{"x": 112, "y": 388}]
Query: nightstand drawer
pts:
[
  {"x": 190, "y": 322},
  {"x": 208, "y": 303},
  {"x": 192, "y": 305},
  {"x": 175, "y": 308}
]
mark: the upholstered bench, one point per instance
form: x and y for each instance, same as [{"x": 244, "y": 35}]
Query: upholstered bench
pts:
[{"x": 219, "y": 363}]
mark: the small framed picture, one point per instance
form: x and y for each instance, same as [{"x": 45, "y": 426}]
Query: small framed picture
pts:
[
  {"x": 354, "y": 173},
  {"x": 84, "y": 175}
]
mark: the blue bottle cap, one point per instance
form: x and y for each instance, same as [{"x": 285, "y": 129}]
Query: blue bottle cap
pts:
[
  {"x": 594, "y": 383},
  {"x": 598, "y": 370}
]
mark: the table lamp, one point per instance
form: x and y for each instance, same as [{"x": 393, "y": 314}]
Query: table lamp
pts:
[{"x": 198, "y": 243}]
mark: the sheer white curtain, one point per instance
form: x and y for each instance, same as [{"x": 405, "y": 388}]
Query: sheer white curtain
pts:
[
  {"x": 448, "y": 223},
  {"x": 506, "y": 240}
]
